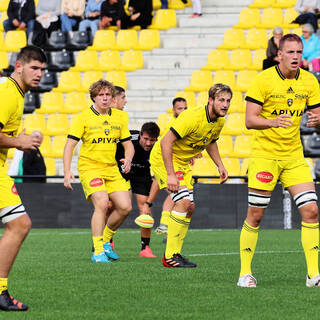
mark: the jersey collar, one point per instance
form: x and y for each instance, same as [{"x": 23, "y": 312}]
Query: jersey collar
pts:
[
  {"x": 17, "y": 86},
  {"x": 93, "y": 109},
  {"x": 283, "y": 77}
]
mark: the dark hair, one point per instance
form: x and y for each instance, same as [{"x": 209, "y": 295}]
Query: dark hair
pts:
[
  {"x": 217, "y": 88},
  {"x": 289, "y": 37},
  {"x": 29, "y": 53},
  {"x": 150, "y": 128},
  {"x": 178, "y": 99},
  {"x": 119, "y": 90},
  {"x": 96, "y": 87}
]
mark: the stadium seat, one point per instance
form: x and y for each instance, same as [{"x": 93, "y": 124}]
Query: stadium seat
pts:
[
  {"x": 284, "y": 3},
  {"x": 61, "y": 60},
  {"x": 88, "y": 79},
  {"x": 257, "y": 60},
  {"x": 261, "y": 4},
  {"x": 2, "y": 41},
  {"x": 239, "y": 59},
  {"x": 69, "y": 81},
  {"x": 4, "y": 16},
  {"x": 189, "y": 96},
  {"x": 163, "y": 120},
  {"x": 80, "y": 40},
  {"x": 15, "y": 40},
  {"x": 235, "y": 124},
  {"x": 290, "y": 15},
  {"x": 164, "y": 19},
  {"x": 248, "y": 18},
  {"x": 4, "y": 61},
  {"x": 34, "y": 122},
  {"x": 86, "y": 61},
  {"x": 225, "y": 145},
  {"x": 232, "y": 39},
  {"x": 74, "y": 102},
  {"x": 156, "y": 4},
  {"x": 51, "y": 102},
  {"x": 46, "y": 147},
  {"x": 242, "y": 145},
  {"x": 103, "y": 40},
  {"x": 297, "y": 31},
  {"x": 244, "y": 167},
  {"x": 58, "y": 40},
  {"x": 232, "y": 165},
  {"x": 31, "y": 102},
  {"x": 58, "y": 144},
  {"x": 148, "y": 39},
  {"x": 205, "y": 167},
  {"x": 11, "y": 152},
  {"x": 126, "y": 39},
  {"x": 118, "y": 78},
  {"x": 217, "y": 60},
  {"x": 225, "y": 77},
  {"x": 202, "y": 98},
  {"x": 237, "y": 103},
  {"x": 304, "y": 130},
  {"x": 51, "y": 169},
  {"x": 4, "y": 5},
  {"x": 244, "y": 79},
  {"x": 312, "y": 146},
  {"x": 131, "y": 60},
  {"x": 57, "y": 124},
  {"x": 256, "y": 39},
  {"x": 176, "y": 4},
  {"x": 47, "y": 82},
  {"x": 270, "y": 18},
  {"x": 200, "y": 81},
  {"x": 109, "y": 60}
]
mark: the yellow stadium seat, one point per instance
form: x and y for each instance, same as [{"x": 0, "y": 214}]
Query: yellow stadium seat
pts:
[
  {"x": 237, "y": 103},
  {"x": 217, "y": 60},
  {"x": 4, "y": 5},
  {"x": 234, "y": 125},
  {"x": 34, "y": 122},
  {"x": 4, "y": 16},
  {"x": 57, "y": 124},
  {"x": 270, "y": 18},
  {"x": 261, "y": 3},
  {"x": 11, "y": 152},
  {"x": 118, "y": 78},
  {"x": 297, "y": 31},
  {"x": 131, "y": 60},
  {"x": 69, "y": 81},
  {"x": 51, "y": 169},
  {"x": 148, "y": 39},
  {"x": 239, "y": 59},
  {"x": 74, "y": 103},
  {"x": 15, "y": 40},
  {"x": 58, "y": 144},
  {"x": 109, "y": 60},
  {"x": 257, "y": 60},
  {"x": 126, "y": 39},
  {"x": 204, "y": 167},
  {"x": 202, "y": 98},
  {"x": 232, "y": 165},
  {"x": 189, "y": 96},
  {"x": 88, "y": 79},
  {"x": 156, "y": 4},
  {"x": 225, "y": 145},
  {"x": 232, "y": 39},
  {"x": 163, "y": 120},
  {"x": 244, "y": 167},
  {"x": 176, "y": 4},
  {"x": 52, "y": 102},
  {"x": 46, "y": 147},
  {"x": 103, "y": 40},
  {"x": 284, "y": 3},
  {"x": 256, "y": 39},
  {"x": 4, "y": 61},
  {"x": 2, "y": 41},
  {"x": 248, "y": 18},
  {"x": 290, "y": 15},
  {"x": 164, "y": 19},
  {"x": 225, "y": 77},
  {"x": 242, "y": 145},
  {"x": 200, "y": 81},
  {"x": 244, "y": 79},
  {"x": 86, "y": 61}
]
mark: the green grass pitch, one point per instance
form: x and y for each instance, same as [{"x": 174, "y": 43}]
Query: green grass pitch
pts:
[{"x": 54, "y": 276}]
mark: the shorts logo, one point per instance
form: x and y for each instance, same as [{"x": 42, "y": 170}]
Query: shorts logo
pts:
[
  {"x": 264, "y": 176},
  {"x": 14, "y": 190},
  {"x": 96, "y": 182},
  {"x": 179, "y": 175}
]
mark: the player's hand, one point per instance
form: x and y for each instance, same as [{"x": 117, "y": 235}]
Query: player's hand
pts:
[
  {"x": 146, "y": 209},
  {"x": 313, "y": 119},
  {"x": 28, "y": 142},
  {"x": 67, "y": 180},
  {"x": 223, "y": 174},
  {"x": 126, "y": 165},
  {"x": 281, "y": 121},
  {"x": 172, "y": 184}
]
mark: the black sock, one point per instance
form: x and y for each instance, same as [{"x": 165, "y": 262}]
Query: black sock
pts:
[{"x": 144, "y": 242}]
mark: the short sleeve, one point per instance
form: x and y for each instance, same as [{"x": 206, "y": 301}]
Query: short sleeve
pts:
[
  {"x": 76, "y": 128},
  {"x": 255, "y": 93},
  {"x": 125, "y": 133},
  {"x": 183, "y": 125},
  {"x": 7, "y": 108},
  {"x": 314, "y": 94}
]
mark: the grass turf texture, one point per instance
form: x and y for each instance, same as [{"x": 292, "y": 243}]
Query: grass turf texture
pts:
[{"x": 54, "y": 276}]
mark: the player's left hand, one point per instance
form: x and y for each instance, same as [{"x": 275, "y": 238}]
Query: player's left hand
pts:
[
  {"x": 313, "y": 119},
  {"x": 146, "y": 209},
  {"x": 223, "y": 174},
  {"x": 126, "y": 165}
]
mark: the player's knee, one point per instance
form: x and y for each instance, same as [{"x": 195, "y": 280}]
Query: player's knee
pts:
[
  {"x": 125, "y": 209},
  {"x": 311, "y": 213}
]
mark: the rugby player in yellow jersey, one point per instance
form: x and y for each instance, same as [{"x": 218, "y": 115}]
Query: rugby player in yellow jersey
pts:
[
  {"x": 28, "y": 70},
  {"x": 275, "y": 104},
  {"x": 100, "y": 127},
  {"x": 193, "y": 131}
]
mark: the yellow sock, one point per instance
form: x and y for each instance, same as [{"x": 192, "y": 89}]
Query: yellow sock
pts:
[
  {"x": 3, "y": 284},
  {"x": 248, "y": 242},
  {"x": 175, "y": 223},
  {"x": 183, "y": 232},
  {"x": 164, "y": 217},
  {"x": 310, "y": 244},
  {"x": 97, "y": 244},
  {"x": 107, "y": 234}
]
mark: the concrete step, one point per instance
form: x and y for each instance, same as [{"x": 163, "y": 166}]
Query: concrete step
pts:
[
  {"x": 209, "y": 10},
  {"x": 209, "y": 42},
  {"x": 212, "y": 20},
  {"x": 225, "y": 3},
  {"x": 150, "y": 95},
  {"x": 196, "y": 30},
  {"x": 162, "y": 83},
  {"x": 175, "y": 62},
  {"x": 164, "y": 73}
]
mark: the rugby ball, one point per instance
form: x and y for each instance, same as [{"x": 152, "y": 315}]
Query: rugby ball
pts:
[{"x": 144, "y": 221}]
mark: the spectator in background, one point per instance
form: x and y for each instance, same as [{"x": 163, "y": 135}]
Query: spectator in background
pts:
[
  {"x": 164, "y": 4},
  {"x": 111, "y": 13},
  {"x": 311, "y": 49},
  {"x": 72, "y": 12},
  {"x": 140, "y": 14},
  {"x": 21, "y": 14},
  {"x": 273, "y": 47},
  {"x": 197, "y": 9},
  {"x": 92, "y": 16},
  {"x": 308, "y": 10}
]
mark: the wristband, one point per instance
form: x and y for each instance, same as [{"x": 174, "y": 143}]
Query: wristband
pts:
[{"x": 149, "y": 204}]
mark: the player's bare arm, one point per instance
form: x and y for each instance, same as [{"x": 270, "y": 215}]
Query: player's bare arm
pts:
[
  {"x": 67, "y": 157},
  {"x": 314, "y": 118},
  {"x": 22, "y": 142},
  {"x": 128, "y": 155},
  {"x": 254, "y": 121},
  {"x": 213, "y": 152}
]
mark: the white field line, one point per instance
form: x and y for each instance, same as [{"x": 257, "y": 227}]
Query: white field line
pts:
[{"x": 237, "y": 253}]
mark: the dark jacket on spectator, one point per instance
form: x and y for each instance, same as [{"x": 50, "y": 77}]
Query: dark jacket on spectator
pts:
[
  {"x": 21, "y": 13},
  {"x": 33, "y": 164},
  {"x": 114, "y": 11}
]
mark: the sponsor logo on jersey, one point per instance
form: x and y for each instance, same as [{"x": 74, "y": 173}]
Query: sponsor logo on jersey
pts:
[
  {"x": 301, "y": 96},
  {"x": 264, "y": 176},
  {"x": 96, "y": 182},
  {"x": 290, "y": 90},
  {"x": 297, "y": 113},
  {"x": 105, "y": 123},
  {"x": 104, "y": 140},
  {"x": 14, "y": 190},
  {"x": 179, "y": 175}
]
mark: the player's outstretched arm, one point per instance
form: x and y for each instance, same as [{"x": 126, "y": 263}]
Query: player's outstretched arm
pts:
[
  {"x": 213, "y": 152},
  {"x": 67, "y": 157},
  {"x": 23, "y": 142},
  {"x": 128, "y": 155}
]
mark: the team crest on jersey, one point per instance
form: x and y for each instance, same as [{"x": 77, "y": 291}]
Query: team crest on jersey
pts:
[
  {"x": 264, "y": 176},
  {"x": 290, "y": 102},
  {"x": 106, "y": 131},
  {"x": 14, "y": 190},
  {"x": 205, "y": 139}
]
